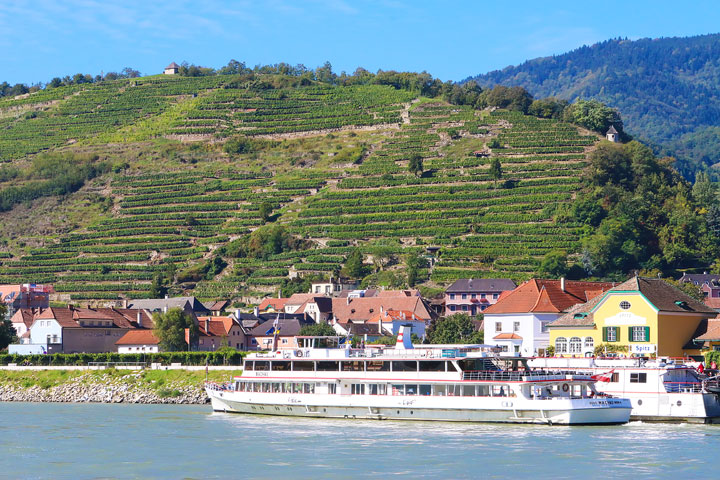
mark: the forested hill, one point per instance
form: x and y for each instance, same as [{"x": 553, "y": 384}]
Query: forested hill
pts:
[{"x": 666, "y": 89}]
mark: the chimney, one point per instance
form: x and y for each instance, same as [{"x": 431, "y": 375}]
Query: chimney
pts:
[
  {"x": 207, "y": 326},
  {"x": 562, "y": 283},
  {"x": 124, "y": 303},
  {"x": 237, "y": 314},
  {"x": 139, "y": 319},
  {"x": 256, "y": 311},
  {"x": 166, "y": 296}
]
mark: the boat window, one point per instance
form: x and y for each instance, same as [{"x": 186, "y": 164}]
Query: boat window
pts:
[
  {"x": 297, "y": 387},
  {"x": 331, "y": 388},
  {"x": 398, "y": 389},
  {"x": 262, "y": 365},
  {"x": 327, "y": 366},
  {"x": 276, "y": 388},
  {"x": 432, "y": 366},
  {"x": 405, "y": 366},
  {"x": 308, "y": 388},
  {"x": 373, "y": 389},
  {"x": 382, "y": 389},
  {"x": 356, "y": 366},
  {"x": 265, "y": 387},
  {"x": 454, "y": 390},
  {"x": 358, "y": 389},
  {"x": 561, "y": 345},
  {"x": 425, "y": 389},
  {"x": 636, "y": 377},
  {"x": 378, "y": 366},
  {"x": 615, "y": 377},
  {"x": 483, "y": 390},
  {"x": 411, "y": 389},
  {"x": 575, "y": 345},
  {"x": 499, "y": 391},
  {"x": 440, "y": 390},
  {"x": 303, "y": 366},
  {"x": 287, "y": 387},
  {"x": 468, "y": 390},
  {"x": 281, "y": 366},
  {"x": 249, "y": 365}
]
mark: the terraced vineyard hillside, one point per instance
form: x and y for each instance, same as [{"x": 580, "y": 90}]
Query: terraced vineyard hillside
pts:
[{"x": 177, "y": 203}]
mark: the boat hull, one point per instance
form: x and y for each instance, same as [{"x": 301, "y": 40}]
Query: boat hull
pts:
[{"x": 554, "y": 412}]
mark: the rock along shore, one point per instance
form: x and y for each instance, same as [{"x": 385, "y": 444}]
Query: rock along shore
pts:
[{"x": 105, "y": 388}]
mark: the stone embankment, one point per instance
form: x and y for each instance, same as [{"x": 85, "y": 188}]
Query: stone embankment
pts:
[{"x": 88, "y": 387}]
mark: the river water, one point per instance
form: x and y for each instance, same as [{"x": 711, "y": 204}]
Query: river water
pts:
[{"x": 83, "y": 441}]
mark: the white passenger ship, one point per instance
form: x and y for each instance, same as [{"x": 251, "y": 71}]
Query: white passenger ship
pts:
[
  {"x": 443, "y": 383},
  {"x": 661, "y": 390}
]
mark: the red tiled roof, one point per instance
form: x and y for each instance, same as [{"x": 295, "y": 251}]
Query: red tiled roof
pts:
[
  {"x": 217, "y": 326},
  {"x": 362, "y": 309},
  {"x": 138, "y": 337},
  {"x": 392, "y": 315},
  {"x": 547, "y": 296},
  {"x": 277, "y": 304},
  {"x": 507, "y": 336},
  {"x": 6, "y": 290},
  {"x": 23, "y": 315},
  {"x": 713, "y": 302}
]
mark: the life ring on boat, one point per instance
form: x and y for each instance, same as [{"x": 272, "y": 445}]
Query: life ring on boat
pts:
[
  {"x": 299, "y": 353},
  {"x": 565, "y": 387}
]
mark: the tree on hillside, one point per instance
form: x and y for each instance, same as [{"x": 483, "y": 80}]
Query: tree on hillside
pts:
[
  {"x": 265, "y": 211},
  {"x": 318, "y": 330},
  {"x": 414, "y": 263},
  {"x": 594, "y": 115},
  {"x": 457, "y": 328},
  {"x": 170, "y": 329},
  {"x": 415, "y": 165},
  {"x": 158, "y": 288},
  {"x": 354, "y": 265},
  {"x": 554, "y": 264},
  {"x": 495, "y": 169}
]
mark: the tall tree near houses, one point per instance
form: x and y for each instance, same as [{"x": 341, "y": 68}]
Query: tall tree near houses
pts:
[{"x": 170, "y": 329}]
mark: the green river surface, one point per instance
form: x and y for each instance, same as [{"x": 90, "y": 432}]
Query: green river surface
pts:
[{"x": 88, "y": 441}]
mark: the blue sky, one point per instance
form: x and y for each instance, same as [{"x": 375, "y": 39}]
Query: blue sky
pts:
[{"x": 40, "y": 39}]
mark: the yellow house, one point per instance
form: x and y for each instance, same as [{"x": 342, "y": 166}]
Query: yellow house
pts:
[{"x": 642, "y": 316}]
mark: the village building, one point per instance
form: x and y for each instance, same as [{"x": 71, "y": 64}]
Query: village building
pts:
[
  {"x": 264, "y": 336},
  {"x": 362, "y": 309},
  {"x": 333, "y": 287},
  {"x": 388, "y": 322},
  {"x": 474, "y": 295},
  {"x": 518, "y": 322},
  {"x": 138, "y": 341},
  {"x": 79, "y": 330},
  {"x": 190, "y": 305},
  {"x": 319, "y": 308},
  {"x": 172, "y": 69},
  {"x": 708, "y": 283},
  {"x": 215, "y": 332},
  {"x": 642, "y": 316},
  {"x": 272, "y": 305}
]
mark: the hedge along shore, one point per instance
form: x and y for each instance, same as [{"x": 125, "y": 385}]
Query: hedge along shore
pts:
[{"x": 166, "y": 386}]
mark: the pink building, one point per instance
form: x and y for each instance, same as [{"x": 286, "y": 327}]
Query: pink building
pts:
[{"x": 474, "y": 295}]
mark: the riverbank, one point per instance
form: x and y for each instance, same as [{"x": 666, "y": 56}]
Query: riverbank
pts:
[{"x": 108, "y": 386}]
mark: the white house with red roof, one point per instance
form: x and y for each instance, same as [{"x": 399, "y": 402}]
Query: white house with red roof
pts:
[
  {"x": 517, "y": 323},
  {"x": 141, "y": 340}
]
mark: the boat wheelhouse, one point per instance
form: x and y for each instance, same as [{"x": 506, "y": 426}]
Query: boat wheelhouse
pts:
[
  {"x": 660, "y": 390},
  {"x": 431, "y": 382}
]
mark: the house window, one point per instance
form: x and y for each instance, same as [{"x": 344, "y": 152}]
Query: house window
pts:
[
  {"x": 516, "y": 326},
  {"x": 504, "y": 348},
  {"x": 589, "y": 343},
  {"x": 638, "y": 377},
  {"x": 452, "y": 296},
  {"x": 483, "y": 307},
  {"x": 639, "y": 334},
  {"x": 201, "y": 341},
  {"x": 575, "y": 345},
  {"x": 464, "y": 296},
  {"x": 465, "y": 308},
  {"x": 610, "y": 334},
  {"x": 561, "y": 345},
  {"x": 473, "y": 296},
  {"x": 452, "y": 308},
  {"x": 625, "y": 305},
  {"x": 495, "y": 296},
  {"x": 284, "y": 340},
  {"x": 498, "y": 326},
  {"x": 482, "y": 295}
]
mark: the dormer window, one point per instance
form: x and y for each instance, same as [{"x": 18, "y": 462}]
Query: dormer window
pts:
[{"x": 625, "y": 305}]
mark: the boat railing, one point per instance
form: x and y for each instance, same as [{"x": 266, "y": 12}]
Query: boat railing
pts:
[
  {"x": 683, "y": 387},
  {"x": 526, "y": 376}
]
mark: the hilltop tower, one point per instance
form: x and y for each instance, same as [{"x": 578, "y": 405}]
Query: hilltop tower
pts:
[
  {"x": 172, "y": 69},
  {"x": 612, "y": 135}
]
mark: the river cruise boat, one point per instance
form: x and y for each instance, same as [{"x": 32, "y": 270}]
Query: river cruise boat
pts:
[
  {"x": 429, "y": 382},
  {"x": 660, "y": 390}
]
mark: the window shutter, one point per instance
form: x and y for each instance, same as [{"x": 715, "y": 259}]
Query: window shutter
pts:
[
  {"x": 605, "y": 334},
  {"x": 630, "y": 335},
  {"x": 647, "y": 334}
]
